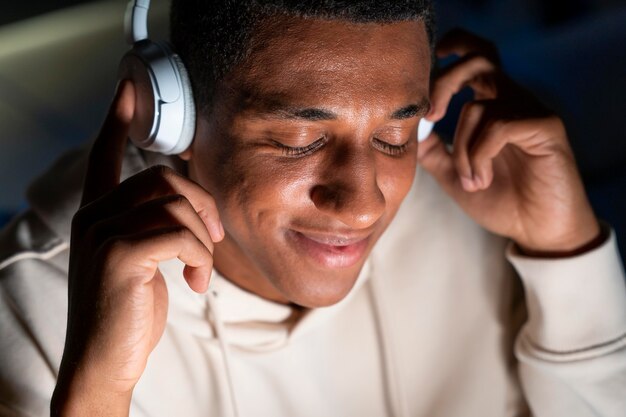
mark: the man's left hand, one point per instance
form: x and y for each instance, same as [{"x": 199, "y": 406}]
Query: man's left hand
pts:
[{"x": 511, "y": 167}]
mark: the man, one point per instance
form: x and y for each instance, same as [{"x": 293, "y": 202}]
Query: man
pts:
[{"x": 319, "y": 304}]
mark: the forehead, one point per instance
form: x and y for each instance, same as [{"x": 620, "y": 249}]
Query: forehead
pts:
[{"x": 297, "y": 59}]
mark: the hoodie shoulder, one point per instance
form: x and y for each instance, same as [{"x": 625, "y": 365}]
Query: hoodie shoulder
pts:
[
  {"x": 33, "y": 311},
  {"x": 28, "y": 237},
  {"x": 33, "y": 279}
]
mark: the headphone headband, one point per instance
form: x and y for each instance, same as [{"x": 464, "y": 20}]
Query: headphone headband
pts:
[
  {"x": 164, "y": 88},
  {"x": 165, "y": 113},
  {"x": 136, "y": 21}
]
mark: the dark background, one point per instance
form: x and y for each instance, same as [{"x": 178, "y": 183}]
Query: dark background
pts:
[
  {"x": 55, "y": 90},
  {"x": 573, "y": 56}
]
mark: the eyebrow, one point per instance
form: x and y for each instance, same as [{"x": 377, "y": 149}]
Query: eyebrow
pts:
[
  {"x": 411, "y": 110},
  {"x": 278, "y": 111},
  {"x": 312, "y": 114}
]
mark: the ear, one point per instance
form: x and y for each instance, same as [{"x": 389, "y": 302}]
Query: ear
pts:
[{"x": 186, "y": 154}]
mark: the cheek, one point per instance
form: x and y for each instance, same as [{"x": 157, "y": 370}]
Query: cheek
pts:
[
  {"x": 257, "y": 192},
  {"x": 395, "y": 178}
]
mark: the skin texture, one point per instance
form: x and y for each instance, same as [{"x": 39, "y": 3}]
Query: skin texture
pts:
[
  {"x": 350, "y": 186},
  {"x": 250, "y": 203},
  {"x": 512, "y": 169}
]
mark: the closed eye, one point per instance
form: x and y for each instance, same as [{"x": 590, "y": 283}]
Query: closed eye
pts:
[
  {"x": 297, "y": 152},
  {"x": 393, "y": 150}
]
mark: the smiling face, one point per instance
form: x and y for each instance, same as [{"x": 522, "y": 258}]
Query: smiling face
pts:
[{"x": 309, "y": 151}]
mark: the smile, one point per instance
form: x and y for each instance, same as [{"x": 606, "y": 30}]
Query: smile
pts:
[{"x": 329, "y": 250}]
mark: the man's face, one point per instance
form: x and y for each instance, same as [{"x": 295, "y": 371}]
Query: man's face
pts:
[{"x": 309, "y": 151}]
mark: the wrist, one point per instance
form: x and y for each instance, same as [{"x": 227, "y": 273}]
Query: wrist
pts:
[
  {"x": 587, "y": 239},
  {"x": 76, "y": 396}
]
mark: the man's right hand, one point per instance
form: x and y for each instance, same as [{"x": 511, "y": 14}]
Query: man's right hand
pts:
[{"x": 117, "y": 296}]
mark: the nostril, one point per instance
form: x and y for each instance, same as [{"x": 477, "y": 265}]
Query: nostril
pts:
[
  {"x": 327, "y": 197},
  {"x": 356, "y": 207}
]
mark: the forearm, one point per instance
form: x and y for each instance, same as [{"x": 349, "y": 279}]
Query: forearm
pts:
[
  {"x": 74, "y": 396},
  {"x": 572, "y": 350}
]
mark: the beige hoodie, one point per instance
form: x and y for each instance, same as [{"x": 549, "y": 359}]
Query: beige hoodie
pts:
[{"x": 437, "y": 325}]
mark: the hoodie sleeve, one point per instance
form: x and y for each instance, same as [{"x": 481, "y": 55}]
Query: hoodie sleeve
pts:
[
  {"x": 33, "y": 310},
  {"x": 572, "y": 349}
]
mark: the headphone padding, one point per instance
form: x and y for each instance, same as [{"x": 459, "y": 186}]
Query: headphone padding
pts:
[{"x": 189, "y": 118}]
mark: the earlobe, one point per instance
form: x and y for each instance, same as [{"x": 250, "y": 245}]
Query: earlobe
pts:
[{"x": 186, "y": 154}]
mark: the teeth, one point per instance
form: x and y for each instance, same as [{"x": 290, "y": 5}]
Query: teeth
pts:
[{"x": 332, "y": 241}]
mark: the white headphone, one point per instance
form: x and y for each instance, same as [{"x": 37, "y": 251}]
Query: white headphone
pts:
[
  {"x": 165, "y": 115},
  {"x": 424, "y": 129}
]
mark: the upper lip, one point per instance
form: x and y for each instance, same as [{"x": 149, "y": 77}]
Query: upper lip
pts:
[{"x": 334, "y": 238}]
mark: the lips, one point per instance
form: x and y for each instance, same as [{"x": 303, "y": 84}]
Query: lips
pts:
[{"x": 330, "y": 250}]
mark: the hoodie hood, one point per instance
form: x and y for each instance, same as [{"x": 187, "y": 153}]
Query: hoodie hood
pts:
[
  {"x": 253, "y": 323},
  {"x": 55, "y": 196},
  {"x": 226, "y": 314}
]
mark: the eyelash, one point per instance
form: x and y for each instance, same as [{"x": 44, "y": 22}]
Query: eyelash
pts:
[
  {"x": 393, "y": 150},
  {"x": 301, "y": 151}
]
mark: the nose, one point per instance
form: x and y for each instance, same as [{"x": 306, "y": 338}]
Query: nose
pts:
[{"x": 348, "y": 190}]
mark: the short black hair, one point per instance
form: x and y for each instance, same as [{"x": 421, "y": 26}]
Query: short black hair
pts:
[{"x": 213, "y": 36}]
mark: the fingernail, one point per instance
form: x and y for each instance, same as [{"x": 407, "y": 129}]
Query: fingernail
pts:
[
  {"x": 480, "y": 183},
  {"x": 468, "y": 184},
  {"x": 222, "y": 233},
  {"x": 216, "y": 232}
]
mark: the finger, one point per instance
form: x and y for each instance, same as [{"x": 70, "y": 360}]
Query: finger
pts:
[
  {"x": 154, "y": 183},
  {"x": 495, "y": 136},
  {"x": 105, "y": 158},
  {"x": 474, "y": 71},
  {"x": 461, "y": 42},
  {"x": 136, "y": 257},
  {"x": 170, "y": 211},
  {"x": 433, "y": 156},
  {"x": 436, "y": 159},
  {"x": 469, "y": 124}
]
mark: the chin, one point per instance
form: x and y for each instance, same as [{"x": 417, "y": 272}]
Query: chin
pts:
[{"x": 322, "y": 289}]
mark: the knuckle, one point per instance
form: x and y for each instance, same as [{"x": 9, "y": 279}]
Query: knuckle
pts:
[
  {"x": 114, "y": 249},
  {"x": 460, "y": 159},
  {"x": 450, "y": 82},
  {"x": 555, "y": 122},
  {"x": 473, "y": 109},
  {"x": 178, "y": 202},
  {"x": 463, "y": 168},
  {"x": 158, "y": 178},
  {"x": 459, "y": 156},
  {"x": 159, "y": 170},
  {"x": 481, "y": 61},
  {"x": 176, "y": 205},
  {"x": 181, "y": 232},
  {"x": 496, "y": 127},
  {"x": 162, "y": 173}
]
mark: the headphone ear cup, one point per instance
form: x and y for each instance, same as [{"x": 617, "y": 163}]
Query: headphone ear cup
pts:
[
  {"x": 424, "y": 129},
  {"x": 189, "y": 118},
  {"x": 134, "y": 69},
  {"x": 165, "y": 115}
]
